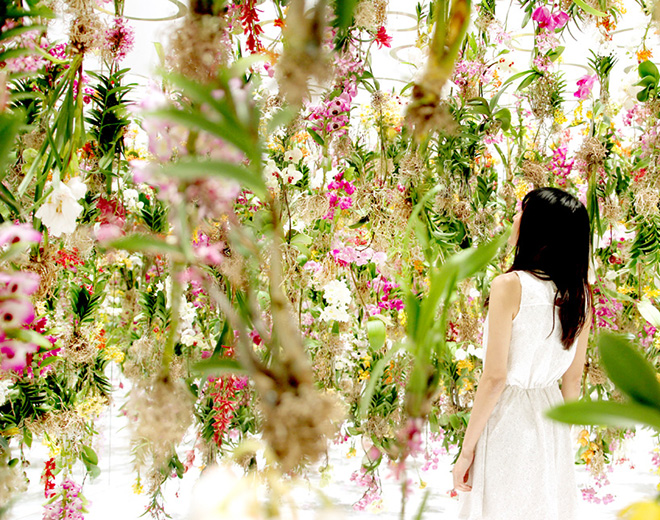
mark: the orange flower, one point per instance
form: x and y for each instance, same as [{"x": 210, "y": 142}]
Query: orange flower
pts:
[
  {"x": 583, "y": 438},
  {"x": 643, "y": 55}
]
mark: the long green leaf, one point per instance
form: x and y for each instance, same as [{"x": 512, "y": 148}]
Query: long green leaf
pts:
[
  {"x": 374, "y": 378},
  {"x": 146, "y": 243},
  {"x": 628, "y": 370},
  {"x": 9, "y": 126},
  {"x": 214, "y": 168},
  {"x": 587, "y": 8},
  {"x": 606, "y": 413},
  {"x": 216, "y": 365}
]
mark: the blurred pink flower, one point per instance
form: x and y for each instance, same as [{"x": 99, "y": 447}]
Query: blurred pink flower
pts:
[
  {"x": 21, "y": 283},
  {"x": 19, "y": 233},
  {"x": 585, "y": 84},
  {"x": 13, "y": 354}
]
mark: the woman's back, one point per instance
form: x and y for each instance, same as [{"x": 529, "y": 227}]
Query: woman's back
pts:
[{"x": 536, "y": 355}]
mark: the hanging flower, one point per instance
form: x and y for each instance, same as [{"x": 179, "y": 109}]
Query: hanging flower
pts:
[
  {"x": 585, "y": 84},
  {"x": 13, "y": 354},
  {"x": 61, "y": 210},
  {"x": 547, "y": 20},
  {"x": 119, "y": 40},
  {"x": 382, "y": 38}
]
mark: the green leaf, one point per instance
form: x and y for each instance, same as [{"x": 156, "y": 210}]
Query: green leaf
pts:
[
  {"x": 629, "y": 370},
  {"x": 377, "y": 333},
  {"x": 142, "y": 243},
  {"x": 196, "y": 169},
  {"x": 649, "y": 313},
  {"x": 217, "y": 365},
  {"x": 529, "y": 80},
  {"x": 607, "y": 413},
  {"x": 89, "y": 456},
  {"x": 504, "y": 116},
  {"x": 374, "y": 378},
  {"x": 587, "y": 8},
  {"x": 344, "y": 12},
  {"x": 648, "y": 68},
  {"x": 29, "y": 336},
  {"x": 9, "y": 126},
  {"x": 317, "y": 138}
]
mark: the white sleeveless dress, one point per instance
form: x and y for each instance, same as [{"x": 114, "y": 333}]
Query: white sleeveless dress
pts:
[{"x": 524, "y": 463}]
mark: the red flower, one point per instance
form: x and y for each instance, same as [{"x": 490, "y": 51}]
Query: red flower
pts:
[{"x": 382, "y": 38}]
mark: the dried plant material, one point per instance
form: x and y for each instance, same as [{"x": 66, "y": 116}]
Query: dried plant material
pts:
[
  {"x": 596, "y": 375},
  {"x": 13, "y": 481},
  {"x": 304, "y": 55},
  {"x": 297, "y": 426},
  {"x": 412, "y": 167},
  {"x": 535, "y": 173},
  {"x": 64, "y": 425},
  {"x": 199, "y": 47},
  {"x": 78, "y": 346},
  {"x": 371, "y": 14},
  {"x": 592, "y": 152},
  {"x": 86, "y": 33},
  {"x": 164, "y": 410},
  {"x": 646, "y": 202}
]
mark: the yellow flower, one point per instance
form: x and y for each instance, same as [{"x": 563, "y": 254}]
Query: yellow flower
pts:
[
  {"x": 560, "y": 118},
  {"x": 649, "y": 510},
  {"x": 91, "y": 407},
  {"x": 422, "y": 484},
  {"x": 403, "y": 318},
  {"x": 113, "y": 353},
  {"x": 351, "y": 453},
  {"x": 651, "y": 293},
  {"x": 625, "y": 289},
  {"x": 522, "y": 189},
  {"x": 464, "y": 364},
  {"x": 138, "y": 489}
]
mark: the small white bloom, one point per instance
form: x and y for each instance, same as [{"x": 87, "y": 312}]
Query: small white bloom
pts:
[
  {"x": 132, "y": 200},
  {"x": 460, "y": 354},
  {"x": 4, "y": 390},
  {"x": 294, "y": 155},
  {"x": 332, "y": 313},
  {"x": 337, "y": 292},
  {"x": 61, "y": 209}
]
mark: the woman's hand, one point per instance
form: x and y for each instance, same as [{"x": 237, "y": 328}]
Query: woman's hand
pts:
[{"x": 461, "y": 471}]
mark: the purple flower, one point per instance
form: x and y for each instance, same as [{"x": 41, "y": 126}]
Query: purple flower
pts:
[{"x": 585, "y": 84}]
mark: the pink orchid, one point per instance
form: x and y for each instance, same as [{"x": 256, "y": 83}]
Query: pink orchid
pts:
[
  {"x": 13, "y": 354},
  {"x": 547, "y": 20},
  {"x": 19, "y": 283},
  {"x": 16, "y": 313},
  {"x": 19, "y": 233},
  {"x": 585, "y": 84}
]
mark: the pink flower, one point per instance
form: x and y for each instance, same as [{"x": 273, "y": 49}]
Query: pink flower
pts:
[
  {"x": 13, "y": 354},
  {"x": 15, "y": 313},
  {"x": 19, "y": 233},
  {"x": 18, "y": 284},
  {"x": 585, "y": 84},
  {"x": 547, "y": 20}
]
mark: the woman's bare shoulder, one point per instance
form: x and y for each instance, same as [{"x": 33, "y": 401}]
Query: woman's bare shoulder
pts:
[{"x": 506, "y": 282}]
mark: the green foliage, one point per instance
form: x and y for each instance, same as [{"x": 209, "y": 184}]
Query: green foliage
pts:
[
  {"x": 154, "y": 214},
  {"x": 633, "y": 375},
  {"x": 84, "y": 304},
  {"x": 649, "y": 78},
  {"x": 646, "y": 247},
  {"x": 109, "y": 117}
]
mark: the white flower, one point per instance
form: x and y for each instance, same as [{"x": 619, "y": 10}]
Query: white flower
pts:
[
  {"x": 293, "y": 155},
  {"x": 132, "y": 200},
  {"x": 61, "y": 210},
  {"x": 332, "y": 313},
  {"x": 460, "y": 354},
  {"x": 4, "y": 390},
  {"x": 337, "y": 292},
  {"x": 291, "y": 174}
]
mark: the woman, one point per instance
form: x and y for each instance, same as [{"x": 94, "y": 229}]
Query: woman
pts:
[{"x": 515, "y": 463}]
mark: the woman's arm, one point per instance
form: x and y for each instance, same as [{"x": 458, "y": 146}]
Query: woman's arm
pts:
[
  {"x": 503, "y": 307},
  {"x": 572, "y": 378}
]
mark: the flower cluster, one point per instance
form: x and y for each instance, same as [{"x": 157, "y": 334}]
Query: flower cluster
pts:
[
  {"x": 119, "y": 39},
  {"x": 67, "y": 503},
  {"x": 338, "y": 297},
  {"x": 334, "y": 196},
  {"x": 61, "y": 210},
  {"x": 331, "y": 116}
]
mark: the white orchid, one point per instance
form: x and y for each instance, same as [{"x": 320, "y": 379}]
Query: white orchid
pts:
[{"x": 61, "y": 209}]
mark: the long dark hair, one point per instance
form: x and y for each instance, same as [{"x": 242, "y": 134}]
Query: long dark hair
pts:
[{"x": 553, "y": 244}]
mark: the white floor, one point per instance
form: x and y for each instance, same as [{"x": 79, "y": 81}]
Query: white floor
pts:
[{"x": 111, "y": 494}]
